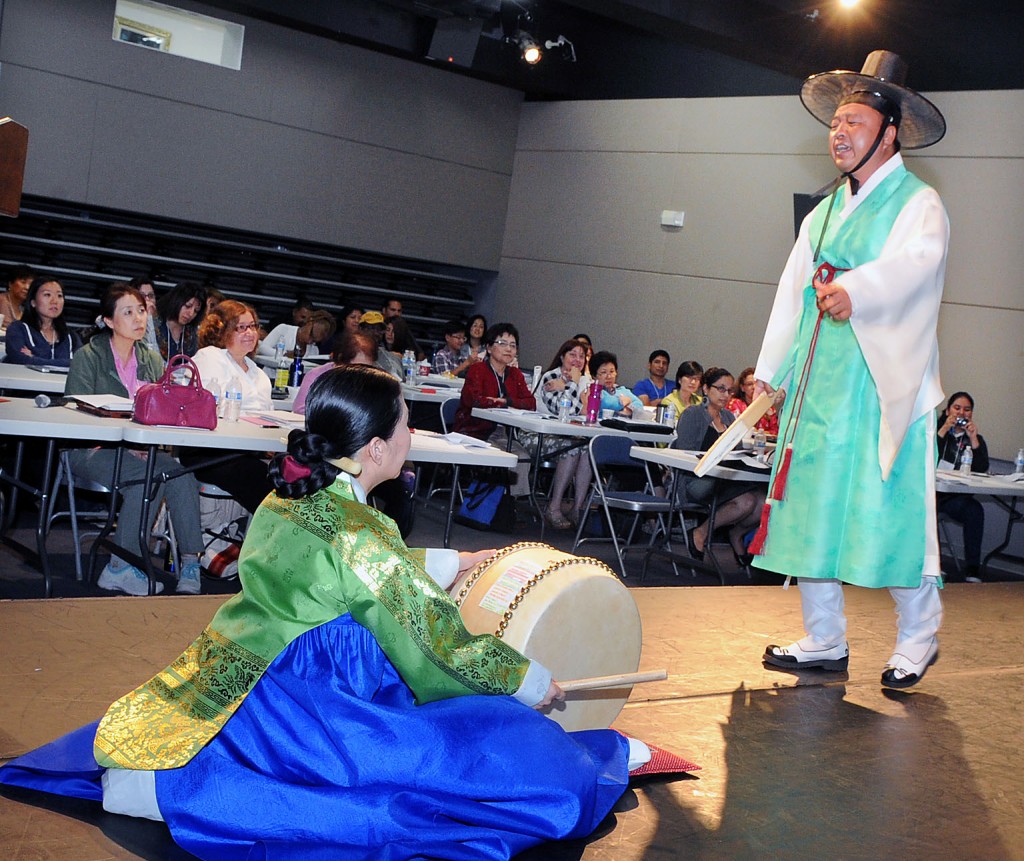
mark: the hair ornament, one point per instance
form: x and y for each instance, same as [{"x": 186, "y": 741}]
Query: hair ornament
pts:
[
  {"x": 346, "y": 464},
  {"x": 292, "y": 470}
]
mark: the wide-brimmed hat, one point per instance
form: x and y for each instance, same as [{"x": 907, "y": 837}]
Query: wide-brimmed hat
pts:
[{"x": 883, "y": 75}]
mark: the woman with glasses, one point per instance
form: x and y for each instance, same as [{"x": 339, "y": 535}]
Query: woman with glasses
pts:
[
  {"x": 496, "y": 382},
  {"x": 744, "y": 396},
  {"x": 687, "y": 391},
  {"x": 739, "y": 502},
  {"x": 229, "y": 334}
]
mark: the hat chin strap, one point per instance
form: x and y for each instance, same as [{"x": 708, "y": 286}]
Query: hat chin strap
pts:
[{"x": 849, "y": 174}]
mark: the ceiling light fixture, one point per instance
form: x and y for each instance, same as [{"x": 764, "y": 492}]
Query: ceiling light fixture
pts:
[
  {"x": 568, "y": 51},
  {"x": 528, "y": 47}
]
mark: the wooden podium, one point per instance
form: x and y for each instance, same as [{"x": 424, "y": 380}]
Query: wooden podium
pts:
[{"x": 13, "y": 151}]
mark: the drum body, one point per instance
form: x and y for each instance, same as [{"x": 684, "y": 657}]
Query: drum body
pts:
[{"x": 568, "y": 612}]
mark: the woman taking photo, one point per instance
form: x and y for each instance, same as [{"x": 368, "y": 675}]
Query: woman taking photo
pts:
[
  {"x": 957, "y": 432},
  {"x": 561, "y": 381},
  {"x": 228, "y": 335},
  {"x": 115, "y": 362},
  {"x": 180, "y": 310},
  {"x": 362, "y": 723},
  {"x": 41, "y": 336},
  {"x": 739, "y": 502}
]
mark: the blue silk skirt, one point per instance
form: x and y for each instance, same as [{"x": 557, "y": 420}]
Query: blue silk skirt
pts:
[{"x": 329, "y": 758}]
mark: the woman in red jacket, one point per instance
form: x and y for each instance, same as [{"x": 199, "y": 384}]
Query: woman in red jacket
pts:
[{"x": 497, "y": 383}]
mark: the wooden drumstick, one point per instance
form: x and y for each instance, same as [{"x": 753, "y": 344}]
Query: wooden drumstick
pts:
[{"x": 596, "y": 682}]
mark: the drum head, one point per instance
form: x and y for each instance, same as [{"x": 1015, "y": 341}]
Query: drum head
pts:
[{"x": 570, "y": 613}]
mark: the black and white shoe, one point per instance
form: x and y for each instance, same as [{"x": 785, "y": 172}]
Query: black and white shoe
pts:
[
  {"x": 907, "y": 667},
  {"x": 808, "y": 654}
]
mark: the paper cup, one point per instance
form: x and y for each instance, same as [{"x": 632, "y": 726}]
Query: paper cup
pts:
[{"x": 607, "y": 414}]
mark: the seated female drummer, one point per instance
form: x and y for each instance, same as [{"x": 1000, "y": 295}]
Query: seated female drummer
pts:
[
  {"x": 337, "y": 706},
  {"x": 115, "y": 362},
  {"x": 41, "y": 336},
  {"x": 739, "y": 502}
]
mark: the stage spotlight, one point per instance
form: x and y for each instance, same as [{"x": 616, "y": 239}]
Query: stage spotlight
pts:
[{"x": 528, "y": 46}]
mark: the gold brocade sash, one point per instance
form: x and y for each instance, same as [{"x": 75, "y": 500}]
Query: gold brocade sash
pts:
[{"x": 169, "y": 719}]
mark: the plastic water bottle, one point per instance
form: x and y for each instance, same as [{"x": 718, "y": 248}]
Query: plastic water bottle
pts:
[
  {"x": 279, "y": 351},
  {"x": 409, "y": 367},
  {"x": 232, "y": 402},
  {"x": 966, "y": 459},
  {"x": 1018, "y": 464},
  {"x": 213, "y": 387},
  {"x": 564, "y": 406},
  {"x": 760, "y": 445}
]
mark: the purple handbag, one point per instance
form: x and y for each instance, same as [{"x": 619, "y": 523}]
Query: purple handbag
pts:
[{"x": 165, "y": 402}]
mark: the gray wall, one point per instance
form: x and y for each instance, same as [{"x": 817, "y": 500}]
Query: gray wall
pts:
[
  {"x": 311, "y": 139},
  {"x": 584, "y": 249}
]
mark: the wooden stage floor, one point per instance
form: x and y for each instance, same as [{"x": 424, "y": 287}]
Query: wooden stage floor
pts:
[{"x": 810, "y": 766}]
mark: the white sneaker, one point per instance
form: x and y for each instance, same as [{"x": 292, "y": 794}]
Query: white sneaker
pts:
[
  {"x": 188, "y": 582},
  {"x": 129, "y": 580},
  {"x": 807, "y": 654}
]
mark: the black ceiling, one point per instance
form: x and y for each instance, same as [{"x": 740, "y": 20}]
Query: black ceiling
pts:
[{"x": 679, "y": 48}]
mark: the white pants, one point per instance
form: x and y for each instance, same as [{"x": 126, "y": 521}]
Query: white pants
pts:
[{"x": 918, "y": 611}]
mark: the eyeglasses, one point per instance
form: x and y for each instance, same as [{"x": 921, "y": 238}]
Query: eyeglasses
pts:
[
  {"x": 501, "y": 342},
  {"x": 723, "y": 389},
  {"x": 147, "y": 295},
  {"x": 459, "y": 337},
  {"x": 246, "y": 327}
]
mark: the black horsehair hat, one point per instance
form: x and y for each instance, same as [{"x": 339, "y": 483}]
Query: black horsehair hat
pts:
[{"x": 883, "y": 77}]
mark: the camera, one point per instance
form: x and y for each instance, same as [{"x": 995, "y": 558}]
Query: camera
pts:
[{"x": 961, "y": 422}]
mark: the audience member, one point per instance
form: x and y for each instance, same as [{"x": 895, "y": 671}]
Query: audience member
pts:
[
  {"x": 476, "y": 328},
  {"x": 213, "y": 298},
  {"x": 957, "y": 431},
  {"x": 41, "y": 336},
  {"x": 305, "y": 340},
  {"x": 588, "y": 344},
  {"x": 147, "y": 290},
  {"x": 350, "y": 348},
  {"x": 115, "y": 362},
  {"x": 686, "y": 394},
  {"x": 562, "y": 379},
  {"x": 348, "y": 320},
  {"x": 604, "y": 368},
  {"x": 743, "y": 397},
  {"x": 391, "y": 308},
  {"x": 12, "y": 301},
  {"x": 449, "y": 359},
  {"x": 372, "y": 323},
  {"x": 655, "y": 388},
  {"x": 738, "y": 502},
  {"x": 180, "y": 311},
  {"x": 298, "y": 315},
  {"x": 497, "y": 383},
  {"x": 228, "y": 336}
]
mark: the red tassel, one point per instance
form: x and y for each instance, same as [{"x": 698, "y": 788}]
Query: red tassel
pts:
[
  {"x": 782, "y": 474},
  {"x": 756, "y": 547}
]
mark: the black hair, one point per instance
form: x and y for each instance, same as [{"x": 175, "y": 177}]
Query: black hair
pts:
[
  {"x": 689, "y": 369},
  {"x": 19, "y": 273},
  {"x": 499, "y": 329},
  {"x": 956, "y": 395},
  {"x": 657, "y": 353},
  {"x": 170, "y": 304},
  {"x": 30, "y": 316},
  {"x": 347, "y": 407},
  {"x": 113, "y": 294},
  {"x": 404, "y": 339},
  {"x": 583, "y": 336},
  {"x": 602, "y": 357},
  {"x": 453, "y": 327},
  {"x": 713, "y": 375}
]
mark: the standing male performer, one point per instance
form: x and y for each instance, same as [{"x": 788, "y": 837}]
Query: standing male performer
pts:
[{"x": 852, "y": 335}]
